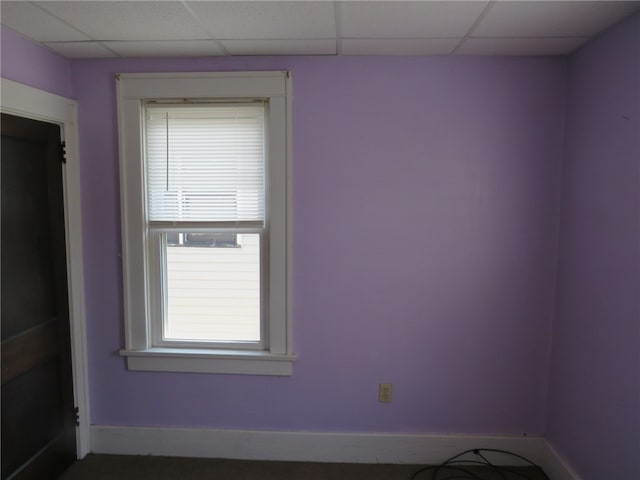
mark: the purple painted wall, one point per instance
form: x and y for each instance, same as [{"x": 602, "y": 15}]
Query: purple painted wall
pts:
[
  {"x": 594, "y": 408},
  {"x": 425, "y": 211},
  {"x": 25, "y": 62},
  {"x": 425, "y": 206}
]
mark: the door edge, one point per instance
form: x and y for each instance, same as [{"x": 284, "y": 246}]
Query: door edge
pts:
[{"x": 29, "y": 102}]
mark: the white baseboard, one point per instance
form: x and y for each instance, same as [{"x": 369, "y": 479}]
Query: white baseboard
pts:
[
  {"x": 555, "y": 466},
  {"x": 305, "y": 446}
]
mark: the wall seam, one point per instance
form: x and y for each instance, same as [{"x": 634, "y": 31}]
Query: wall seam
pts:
[{"x": 558, "y": 239}]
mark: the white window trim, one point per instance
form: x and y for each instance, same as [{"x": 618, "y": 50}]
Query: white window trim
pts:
[{"x": 132, "y": 90}]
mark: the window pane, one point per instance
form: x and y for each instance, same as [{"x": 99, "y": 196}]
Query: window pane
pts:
[
  {"x": 217, "y": 240},
  {"x": 213, "y": 287}
]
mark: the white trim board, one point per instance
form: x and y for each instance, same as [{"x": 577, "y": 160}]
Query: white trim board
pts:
[
  {"x": 390, "y": 448},
  {"x": 555, "y": 466},
  {"x": 24, "y": 101},
  {"x": 303, "y": 446}
]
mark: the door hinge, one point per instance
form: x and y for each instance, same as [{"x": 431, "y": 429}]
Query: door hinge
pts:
[
  {"x": 76, "y": 410},
  {"x": 63, "y": 152}
]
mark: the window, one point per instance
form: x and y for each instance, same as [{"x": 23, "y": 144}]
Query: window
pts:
[
  {"x": 204, "y": 165},
  {"x": 211, "y": 240}
]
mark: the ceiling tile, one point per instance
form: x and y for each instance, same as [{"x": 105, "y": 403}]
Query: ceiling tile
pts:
[
  {"x": 551, "y": 19},
  {"x": 280, "y": 47},
  {"x": 271, "y": 20},
  {"x": 36, "y": 24},
  {"x": 185, "y": 48},
  {"x": 408, "y": 19},
  {"x": 80, "y": 49},
  {"x": 112, "y": 20},
  {"x": 309, "y": 27},
  {"x": 404, "y": 46},
  {"x": 519, "y": 46}
]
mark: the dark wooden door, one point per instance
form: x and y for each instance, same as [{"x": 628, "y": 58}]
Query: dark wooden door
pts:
[{"x": 38, "y": 417}]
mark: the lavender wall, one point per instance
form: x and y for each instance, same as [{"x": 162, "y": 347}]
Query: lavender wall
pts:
[
  {"x": 594, "y": 409},
  {"x": 425, "y": 204},
  {"x": 33, "y": 65}
]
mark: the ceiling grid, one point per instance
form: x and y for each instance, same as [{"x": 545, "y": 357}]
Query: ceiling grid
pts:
[{"x": 98, "y": 29}]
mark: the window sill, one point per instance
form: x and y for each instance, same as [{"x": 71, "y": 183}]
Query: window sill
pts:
[{"x": 209, "y": 361}]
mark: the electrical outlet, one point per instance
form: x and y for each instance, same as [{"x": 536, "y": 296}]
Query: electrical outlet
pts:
[{"x": 384, "y": 392}]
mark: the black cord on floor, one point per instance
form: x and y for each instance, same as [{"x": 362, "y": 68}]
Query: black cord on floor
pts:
[{"x": 453, "y": 466}]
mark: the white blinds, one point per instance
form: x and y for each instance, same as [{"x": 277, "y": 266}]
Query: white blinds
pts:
[{"x": 205, "y": 163}]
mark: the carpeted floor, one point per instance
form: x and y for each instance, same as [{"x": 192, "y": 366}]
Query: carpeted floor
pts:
[{"x": 122, "y": 467}]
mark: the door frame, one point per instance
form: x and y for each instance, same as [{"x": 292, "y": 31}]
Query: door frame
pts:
[{"x": 25, "y": 101}]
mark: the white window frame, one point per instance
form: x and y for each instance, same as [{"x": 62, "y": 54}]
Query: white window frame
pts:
[{"x": 139, "y": 278}]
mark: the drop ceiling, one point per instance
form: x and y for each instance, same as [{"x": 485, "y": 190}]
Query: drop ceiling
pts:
[{"x": 99, "y": 29}]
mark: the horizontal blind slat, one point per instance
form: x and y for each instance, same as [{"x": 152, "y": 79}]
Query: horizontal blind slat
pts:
[{"x": 205, "y": 163}]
